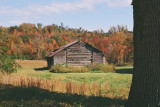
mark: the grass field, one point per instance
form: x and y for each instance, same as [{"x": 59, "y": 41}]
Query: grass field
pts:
[{"x": 39, "y": 87}]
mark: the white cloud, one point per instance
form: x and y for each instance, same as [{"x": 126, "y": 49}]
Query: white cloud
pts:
[
  {"x": 61, "y": 7},
  {"x": 118, "y": 3},
  {"x": 88, "y": 5},
  {"x": 34, "y": 11}
]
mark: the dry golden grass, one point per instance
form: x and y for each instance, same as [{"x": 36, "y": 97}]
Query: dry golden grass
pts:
[
  {"x": 94, "y": 89},
  {"x": 32, "y": 63},
  {"x": 27, "y": 77}
]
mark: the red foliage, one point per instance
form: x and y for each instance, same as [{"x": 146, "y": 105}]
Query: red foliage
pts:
[
  {"x": 32, "y": 34},
  {"x": 64, "y": 38},
  {"x": 118, "y": 46},
  {"x": 22, "y": 33}
]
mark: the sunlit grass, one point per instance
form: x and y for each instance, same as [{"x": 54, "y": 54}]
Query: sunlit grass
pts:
[
  {"x": 125, "y": 67},
  {"x": 109, "y": 85}
]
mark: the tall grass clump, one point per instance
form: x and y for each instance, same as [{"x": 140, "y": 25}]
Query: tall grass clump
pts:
[
  {"x": 73, "y": 87},
  {"x": 59, "y": 68},
  {"x": 102, "y": 68}
]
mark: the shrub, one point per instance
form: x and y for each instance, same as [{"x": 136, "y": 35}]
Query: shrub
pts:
[
  {"x": 59, "y": 68},
  {"x": 103, "y": 68},
  {"x": 8, "y": 64}
]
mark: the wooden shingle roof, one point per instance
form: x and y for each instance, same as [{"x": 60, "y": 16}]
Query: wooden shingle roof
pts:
[{"x": 54, "y": 52}]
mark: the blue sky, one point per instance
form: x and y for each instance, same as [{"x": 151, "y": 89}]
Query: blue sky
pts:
[{"x": 88, "y": 14}]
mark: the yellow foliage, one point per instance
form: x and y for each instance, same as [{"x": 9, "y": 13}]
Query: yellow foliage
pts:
[
  {"x": 9, "y": 52},
  {"x": 54, "y": 42},
  {"x": 12, "y": 44},
  {"x": 30, "y": 41}
]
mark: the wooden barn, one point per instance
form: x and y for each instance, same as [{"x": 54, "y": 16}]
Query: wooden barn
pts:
[{"x": 76, "y": 53}]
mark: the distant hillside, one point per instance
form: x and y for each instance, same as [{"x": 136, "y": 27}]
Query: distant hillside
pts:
[{"x": 30, "y": 41}]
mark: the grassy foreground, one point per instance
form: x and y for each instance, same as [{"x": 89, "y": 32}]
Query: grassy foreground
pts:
[{"x": 34, "y": 85}]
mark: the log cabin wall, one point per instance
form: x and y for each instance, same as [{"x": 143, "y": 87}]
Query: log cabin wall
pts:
[
  {"x": 104, "y": 59},
  {"x": 97, "y": 58},
  {"x": 78, "y": 55},
  {"x": 60, "y": 58}
]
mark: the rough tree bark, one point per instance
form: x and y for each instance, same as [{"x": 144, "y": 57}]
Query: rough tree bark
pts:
[{"x": 145, "y": 88}]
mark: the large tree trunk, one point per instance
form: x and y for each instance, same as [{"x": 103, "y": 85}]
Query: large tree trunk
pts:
[{"x": 145, "y": 88}]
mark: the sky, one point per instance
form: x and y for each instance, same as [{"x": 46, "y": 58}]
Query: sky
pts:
[{"x": 88, "y": 14}]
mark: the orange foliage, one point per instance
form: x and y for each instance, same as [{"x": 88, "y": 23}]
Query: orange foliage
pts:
[{"x": 27, "y": 39}]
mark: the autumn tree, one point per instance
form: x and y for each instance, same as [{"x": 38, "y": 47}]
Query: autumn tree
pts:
[
  {"x": 7, "y": 62},
  {"x": 117, "y": 48},
  {"x": 39, "y": 25},
  {"x": 38, "y": 44},
  {"x": 28, "y": 28},
  {"x": 145, "y": 88},
  {"x": 128, "y": 52},
  {"x": 30, "y": 41},
  {"x": 118, "y": 28},
  {"x": 13, "y": 28}
]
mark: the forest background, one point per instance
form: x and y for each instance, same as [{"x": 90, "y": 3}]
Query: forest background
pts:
[{"x": 34, "y": 41}]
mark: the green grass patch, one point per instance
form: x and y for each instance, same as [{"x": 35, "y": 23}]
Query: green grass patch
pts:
[
  {"x": 125, "y": 67},
  {"x": 117, "y": 84},
  {"x": 113, "y": 78}
]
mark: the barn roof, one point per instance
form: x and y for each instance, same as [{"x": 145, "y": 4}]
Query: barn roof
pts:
[{"x": 54, "y": 52}]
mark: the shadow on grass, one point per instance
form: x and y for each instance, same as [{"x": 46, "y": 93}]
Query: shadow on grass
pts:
[
  {"x": 125, "y": 71},
  {"x": 41, "y": 69},
  {"x": 35, "y": 97}
]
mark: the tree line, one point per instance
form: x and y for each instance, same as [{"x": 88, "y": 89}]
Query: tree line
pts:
[{"x": 30, "y": 41}]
